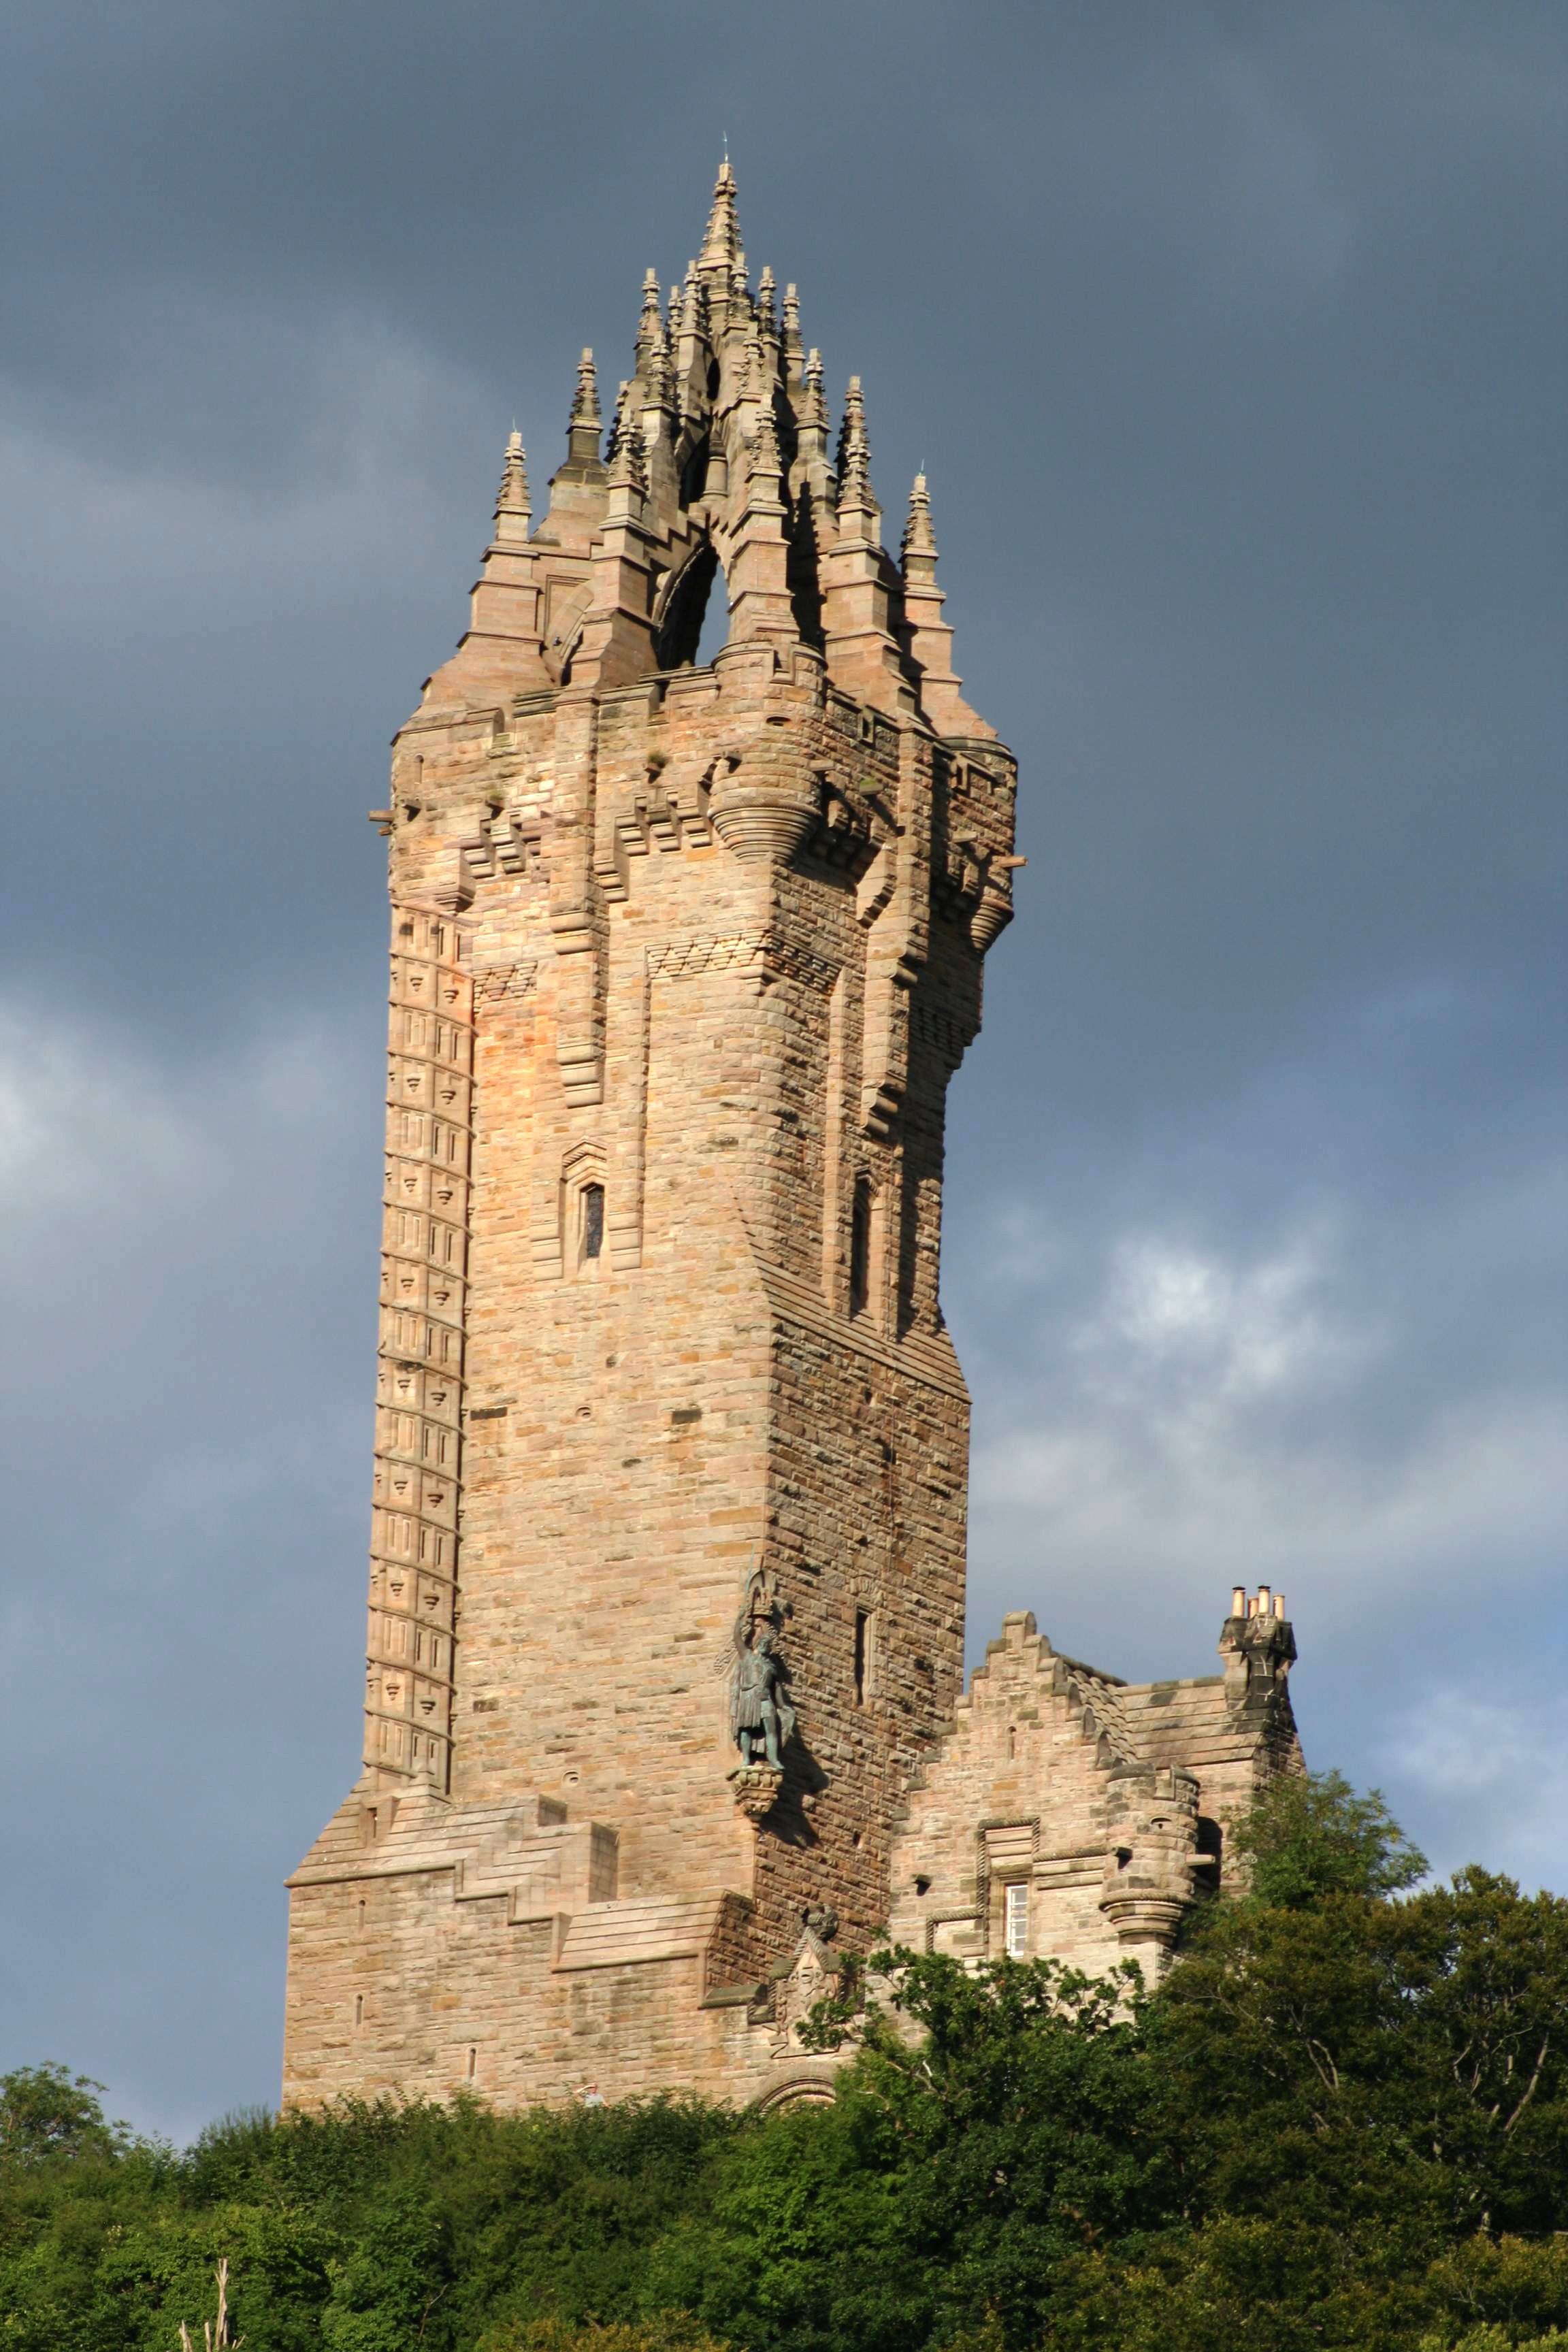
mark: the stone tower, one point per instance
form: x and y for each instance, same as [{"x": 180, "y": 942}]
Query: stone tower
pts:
[{"x": 682, "y": 961}]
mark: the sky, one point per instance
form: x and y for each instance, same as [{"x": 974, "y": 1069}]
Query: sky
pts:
[{"x": 1232, "y": 339}]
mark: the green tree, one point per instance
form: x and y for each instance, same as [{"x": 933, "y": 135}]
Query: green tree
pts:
[
  {"x": 1309, "y": 1834},
  {"x": 47, "y": 2113}
]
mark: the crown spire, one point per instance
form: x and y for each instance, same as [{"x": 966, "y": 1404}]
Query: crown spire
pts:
[
  {"x": 583, "y": 427},
  {"x": 721, "y": 239}
]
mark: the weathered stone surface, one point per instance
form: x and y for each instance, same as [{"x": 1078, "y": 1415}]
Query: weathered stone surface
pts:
[{"x": 682, "y": 961}]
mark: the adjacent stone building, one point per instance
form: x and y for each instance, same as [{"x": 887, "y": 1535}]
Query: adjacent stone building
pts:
[{"x": 664, "y": 1693}]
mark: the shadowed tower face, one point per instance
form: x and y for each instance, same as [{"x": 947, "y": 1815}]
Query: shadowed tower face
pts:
[{"x": 667, "y": 1579}]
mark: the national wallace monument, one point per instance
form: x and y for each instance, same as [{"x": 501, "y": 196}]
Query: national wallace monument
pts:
[{"x": 664, "y": 1703}]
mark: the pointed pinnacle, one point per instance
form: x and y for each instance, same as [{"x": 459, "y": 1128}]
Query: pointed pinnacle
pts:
[
  {"x": 586, "y": 399},
  {"x": 628, "y": 467},
  {"x": 720, "y": 240},
  {"x": 812, "y": 408},
  {"x": 626, "y": 455},
  {"x": 620, "y": 420},
  {"x": 919, "y": 539},
  {"x": 790, "y": 321},
  {"x": 765, "y": 317},
  {"x": 854, "y": 448},
  {"x": 512, "y": 496},
  {"x": 650, "y": 323}
]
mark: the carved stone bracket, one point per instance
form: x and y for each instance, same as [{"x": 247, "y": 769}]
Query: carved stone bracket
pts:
[{"x": 756, "y": 1787}]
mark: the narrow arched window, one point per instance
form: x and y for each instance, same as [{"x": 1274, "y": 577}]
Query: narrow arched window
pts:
[
  {"x": 592, "y": 1220},
  {"x": 860, "y": 1246}
]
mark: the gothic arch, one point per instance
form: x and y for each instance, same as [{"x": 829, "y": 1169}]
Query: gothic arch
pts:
[
  {"x": 685, "y": 607},
  {"x": 584, "y": 1242}
]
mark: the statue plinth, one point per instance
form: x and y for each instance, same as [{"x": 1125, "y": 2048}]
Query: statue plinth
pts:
[{"x": 755, "y": 1787}]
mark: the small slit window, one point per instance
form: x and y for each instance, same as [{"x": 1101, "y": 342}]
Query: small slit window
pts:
[
  {"x": 862, "y": 1655},
  {"x": 1016, "y": 1919},
  {"x": 860, "y": 1247},
  {"x": 592, "y": 1220}
]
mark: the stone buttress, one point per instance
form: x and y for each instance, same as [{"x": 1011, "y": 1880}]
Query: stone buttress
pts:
[{"x": 682, "y": 961}]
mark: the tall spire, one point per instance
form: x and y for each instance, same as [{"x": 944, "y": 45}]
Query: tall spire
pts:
[
  {"x": 721, "y": 239},
  {"x": 583, "y": 427}
]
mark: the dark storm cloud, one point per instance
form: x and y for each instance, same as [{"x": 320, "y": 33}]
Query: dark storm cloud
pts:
[{"x": 1233, "y": 340}]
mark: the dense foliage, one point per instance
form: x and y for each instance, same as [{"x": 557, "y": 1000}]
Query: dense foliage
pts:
[{"x": 1341, "y": 2121}]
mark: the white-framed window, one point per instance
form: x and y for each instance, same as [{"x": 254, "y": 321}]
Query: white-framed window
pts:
[{"x": 1015, "y": 1918}]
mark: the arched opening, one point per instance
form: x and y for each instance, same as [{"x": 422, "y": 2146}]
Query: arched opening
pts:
[
  {"x": 696, "y": 623},
  {"x": 1210, "y": 1845},
  {"x": 694, "y": 473}
]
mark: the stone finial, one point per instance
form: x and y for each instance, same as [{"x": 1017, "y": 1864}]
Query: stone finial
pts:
[
  {"x": 628, "y": 466},
  {"x": 742, "y": 308},
  {"x": 693, "y": 317},
  {"x": 618, "y": 418},
  {"x": 650, "y": 325},
  {"x": 854, "y": 443},
  {"x": 919, "y": 540},
  {"x": 767, "y": 322},
  {"x": 511, "y": 500},
  {"x": 627, "y": 454},
  {"x": 765, "y": 463},
  {"x": 583, "y": 426},
  {"x": 721, "y": 240},
  {"x": 812, "y": 402},
  {"x": 857, "y": 505},
  {"x": 789, "y": 339}
]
